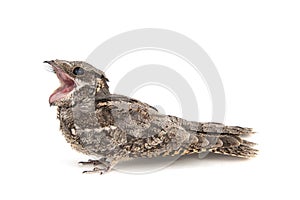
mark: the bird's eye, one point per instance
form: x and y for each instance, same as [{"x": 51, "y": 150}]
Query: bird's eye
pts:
[{"x": 78, "y": 71}]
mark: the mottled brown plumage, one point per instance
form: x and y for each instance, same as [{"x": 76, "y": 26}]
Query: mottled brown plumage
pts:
[{"x": 115, "y": 127}]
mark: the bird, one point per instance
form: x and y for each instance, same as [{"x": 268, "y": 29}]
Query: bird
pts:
[{"x": 114, "y": 128}]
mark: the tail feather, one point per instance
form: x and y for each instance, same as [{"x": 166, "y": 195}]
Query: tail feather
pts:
[
  {"x": 221, "y": 139},
  {"x": 212, "y": 127},
  {"x": 242, "y": 151},
  {"x": 248, "y": 143}
]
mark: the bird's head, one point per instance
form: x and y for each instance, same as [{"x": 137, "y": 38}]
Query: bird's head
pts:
[{"x": 78, "y": 81}]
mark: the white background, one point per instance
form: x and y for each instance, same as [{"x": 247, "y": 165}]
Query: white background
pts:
[{"x": 255, "y": 46}]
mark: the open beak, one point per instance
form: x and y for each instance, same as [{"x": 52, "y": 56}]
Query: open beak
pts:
[{"x": 67, "y": 83}]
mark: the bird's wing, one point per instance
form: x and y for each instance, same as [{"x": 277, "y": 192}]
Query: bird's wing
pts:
[
  {"x": 143, "y": 126},
  {"x": 130, "y": 115}
]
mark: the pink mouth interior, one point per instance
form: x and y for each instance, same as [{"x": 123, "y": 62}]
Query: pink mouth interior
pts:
[{"x": 67, "y": 85}]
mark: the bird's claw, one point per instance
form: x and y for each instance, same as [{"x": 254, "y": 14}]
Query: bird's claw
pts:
[
  {"x": 101, "y": 161},
  {"x": 96, "y": 163},
  {"x": 96, "y": 170},
  {"x": 90, "y": 162}
]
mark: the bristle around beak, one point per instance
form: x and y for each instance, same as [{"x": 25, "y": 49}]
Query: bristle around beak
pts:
[{"x": 49, "y": 67}]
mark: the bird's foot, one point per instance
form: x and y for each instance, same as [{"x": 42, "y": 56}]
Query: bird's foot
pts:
[
  {"x": 100, "y": 166},
  {"x": 96, "y": 170},
  {"x": 101, "y": 161}
]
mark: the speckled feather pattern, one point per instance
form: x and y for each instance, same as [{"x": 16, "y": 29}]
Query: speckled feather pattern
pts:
[{"x": 117, "y": 127}]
